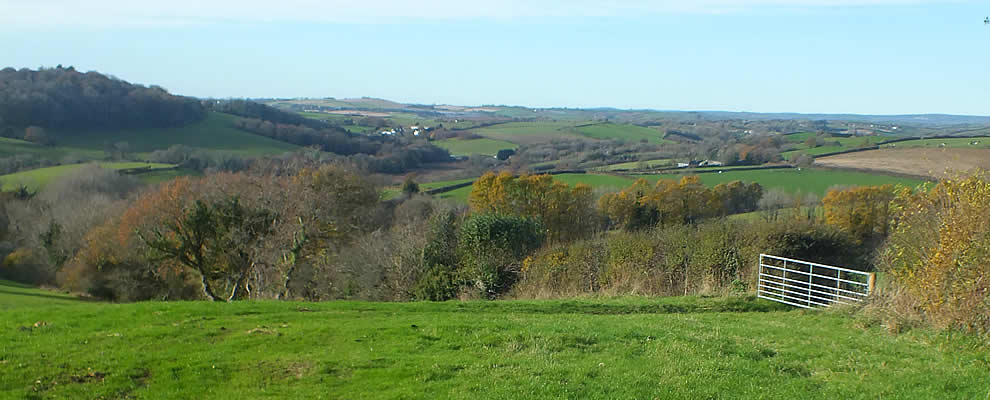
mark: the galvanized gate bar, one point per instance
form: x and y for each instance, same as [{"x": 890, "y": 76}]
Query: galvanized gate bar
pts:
[{"x": 777, "y": 283}]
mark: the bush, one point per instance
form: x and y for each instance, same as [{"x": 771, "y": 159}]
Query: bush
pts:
[
  {"x": 491, "y": 246},
  {"x": 937, "y": 253},
  {"x": 718, "y": 256}
]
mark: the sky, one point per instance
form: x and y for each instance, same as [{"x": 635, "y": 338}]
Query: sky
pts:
[{"x": 808, "y": 56}]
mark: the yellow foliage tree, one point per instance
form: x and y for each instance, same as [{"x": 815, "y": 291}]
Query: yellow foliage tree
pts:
[
  {"x": 566, "y": 211},
  {"x": 938, "y": 250},
  {"x": 863, "y": 212}
]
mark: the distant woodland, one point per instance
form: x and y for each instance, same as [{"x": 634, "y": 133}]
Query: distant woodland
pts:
[{"x": 66, "y": 98}]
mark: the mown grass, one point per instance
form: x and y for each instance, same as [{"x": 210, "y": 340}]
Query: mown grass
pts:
[
  {"x": 484, "y": 146},
  {"x": 804, "y": 180},
  {"x": 37, "y": 178},
  {"x": 671, "y": 348}
]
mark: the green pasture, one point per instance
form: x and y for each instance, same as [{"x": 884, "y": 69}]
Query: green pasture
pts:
[
  {"x": 56, "y": 347},
  {"x": 624, "y": 132},
  {"x": 845, "y": 143},
  {"x": 794, "y": 180},
  {"x": 484, "y": 146},
  {"x": 37, "y": 178},
  {"x": 528, "y": 132},
  {"x": 953, "y": 143},
  {"x": 215, "y": 132},
  {"x": 663, "y": 162}
]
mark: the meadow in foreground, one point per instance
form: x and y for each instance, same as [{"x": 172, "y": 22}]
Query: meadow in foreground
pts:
[{"x": 54, "y": 346}]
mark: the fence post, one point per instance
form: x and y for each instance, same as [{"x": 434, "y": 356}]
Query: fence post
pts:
[{"x": 871, "y": 282}]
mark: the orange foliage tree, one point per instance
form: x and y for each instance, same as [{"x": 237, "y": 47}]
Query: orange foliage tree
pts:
[
  {"x": 567, "y": 212},
  {"x": 864, "y": 212}
]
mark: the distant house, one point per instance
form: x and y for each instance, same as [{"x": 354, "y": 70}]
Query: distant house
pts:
[{"x": 683, "y": 165}]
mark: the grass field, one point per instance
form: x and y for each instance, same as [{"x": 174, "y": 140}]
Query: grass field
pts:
[
  {"x": 544, "y": 131},
  {"x": 488, "y": 147},
  {"x": 37, "y": 178},
  {"x": 805, "y": 180},
  {"x": 953, "y": 143},
  {"x": 672, "y": 348},
  {"x": 663, "y": 162},
  {"x": 439, "y": 184},
  {"x": 215, "y": 132},
  {"x": 528, "y": 132},
  {"x": 845, "y": 143},
  {"x": 15, "y": 147},
  {"x": 625, "y": 132}
]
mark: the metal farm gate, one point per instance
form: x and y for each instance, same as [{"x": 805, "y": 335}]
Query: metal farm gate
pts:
[{"x": 810, "y": 285}]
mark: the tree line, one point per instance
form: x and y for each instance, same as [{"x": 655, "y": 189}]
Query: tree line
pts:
[{"x": 62, "y": 98}]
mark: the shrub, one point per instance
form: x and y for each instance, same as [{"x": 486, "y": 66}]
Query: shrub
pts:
[
  {"x": 491, "y": 246},
  {"x": 938, "y": 251}
]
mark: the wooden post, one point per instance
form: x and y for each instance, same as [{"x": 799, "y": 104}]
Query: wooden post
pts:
[{"x": 872, "y": 283}]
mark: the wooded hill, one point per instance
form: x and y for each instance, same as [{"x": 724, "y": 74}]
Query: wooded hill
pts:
[{"x": 66, "y": 98}]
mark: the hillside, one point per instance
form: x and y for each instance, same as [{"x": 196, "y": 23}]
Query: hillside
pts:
[
  {"x": 734, "y": 347},
  {"x": 215, "y": 132},
  {"x": 36, "y": 178},
  {"x": 66, "y": 98}
]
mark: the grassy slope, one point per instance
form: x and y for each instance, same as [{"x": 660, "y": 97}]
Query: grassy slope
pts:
[
  {"x": 662, "y": 162},
  {"x": 984, "y": 143},
  {"x": 629, "y": 133},
  {"x": 679, "y": 348},
  {"x": 215, "y": 132},
  {"x": 527, "y": 132},
  {"x": 792, "y": 180},
  {"x": 37, "y": 178},
  {"x": 845, "y": 143},
  {"x": 487, "y": 147}
]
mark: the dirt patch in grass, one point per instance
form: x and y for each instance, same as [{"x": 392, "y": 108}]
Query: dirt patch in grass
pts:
[{"x": 935, "y": 163}]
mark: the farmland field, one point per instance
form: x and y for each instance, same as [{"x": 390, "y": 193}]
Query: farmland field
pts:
[
  {"x": 961, "y": 143},
  {"x": 37, "y": 178},
  {"x": 527, "y": 132},
  {"x": 215, "y": 132},
  {"x": 663, "y": 162},
  {"x": 919, "y": 161},
  {"x": 845, "y": 143},
  {"x": 685, "y": 347},
  {"x": 806, "y": 180},
  {"x": 540, "y": 132},
  {"x": 488, "y": 147},
  {"x": 625, "y": 132}
]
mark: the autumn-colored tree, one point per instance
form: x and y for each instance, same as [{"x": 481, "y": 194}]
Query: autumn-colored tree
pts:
[
  {"x": 938, "y": 251},
  {"x": 567, "y": 212},
  {"x": 863, "y": 212},
  {"x": 684, "y": 201}
]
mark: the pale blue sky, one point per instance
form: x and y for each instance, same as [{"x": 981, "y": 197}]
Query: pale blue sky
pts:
[{"x": 813, "y": 56}]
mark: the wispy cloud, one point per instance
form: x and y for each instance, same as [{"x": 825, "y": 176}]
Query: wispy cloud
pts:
[{"x": 109, "y": 13}]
